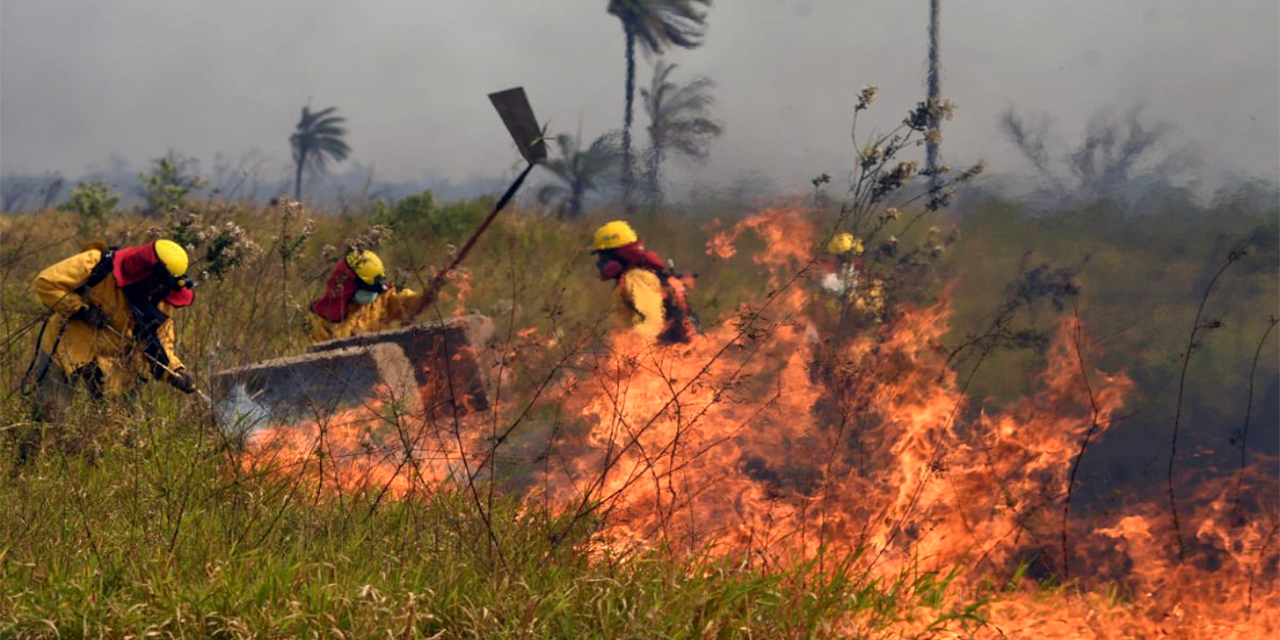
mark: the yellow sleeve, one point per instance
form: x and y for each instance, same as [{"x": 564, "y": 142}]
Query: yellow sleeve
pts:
[
  {"x": 322, "y": 329},
  {"x": 56, "y": 285},
  {"x": 644, "y": 296},
  {"x": 167, "y": 338},
  {"x": 402, "y": 305}
]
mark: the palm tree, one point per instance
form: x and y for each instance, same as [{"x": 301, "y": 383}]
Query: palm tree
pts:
[
  {"x": 934, "y": 85},
  {"x": 678, "y": 121},
  {"x": 655, "y": 24},
  {"x": 580, "y": 172},
  {"x": 317, "y": 139}
]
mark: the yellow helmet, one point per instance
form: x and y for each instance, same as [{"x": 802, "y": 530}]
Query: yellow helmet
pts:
[
  {"x": 173, "y": 256},
  {"x": 844, "y": 243},
  {"x": 367, "y": 266},
  {"x": 613, "y": 235}
]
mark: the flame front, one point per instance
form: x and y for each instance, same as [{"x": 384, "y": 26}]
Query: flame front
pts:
[
  {"x": 765, "y": 439},
  {"x": 363, "y": 448},
  {"x": 768, "y": 439}
]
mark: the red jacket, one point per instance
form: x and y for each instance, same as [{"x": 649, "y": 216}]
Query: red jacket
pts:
[{"x": 614, "y": 262}]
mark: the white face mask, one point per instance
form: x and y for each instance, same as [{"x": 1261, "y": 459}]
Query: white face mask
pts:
[{"x": 364, "y": 296}]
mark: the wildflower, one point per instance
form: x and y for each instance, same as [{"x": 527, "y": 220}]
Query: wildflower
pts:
[
  {"x": 370, "y": 238},
  {"x": 972, "y": 172},
  {"x": 891, "y": 213},
  {"x": 292, "y": 208},
  {"x": 929, "y": 113},
  {"x": 933, "y": 136},
  {"x": 895, "y": 179},
  {"x": 872, "y": 156},
  {"x": 918, "y": 119},
  {"x": 229, "y": 249},
  {"x": 890, "y": 246},
  {"x": 940, "y": 198},
  {"x": 866, "y": 97},
  {"x": 871, "y": 301},
  {"x": 944, "y": 110}
]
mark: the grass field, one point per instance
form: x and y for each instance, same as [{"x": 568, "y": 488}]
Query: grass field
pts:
[{"x": 895, "y": 484}]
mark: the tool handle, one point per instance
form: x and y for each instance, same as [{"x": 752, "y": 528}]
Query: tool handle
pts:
[{"x": 438, "y": 281}]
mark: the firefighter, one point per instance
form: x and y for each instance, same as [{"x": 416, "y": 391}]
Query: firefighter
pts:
[
  {"x": 858, "y": 295},
  {"x": 110, "y": 323},
  {"x": 651, "y": 299},
  {"x": 357, "y": 300},
  {"x": 841, "y": 269}
]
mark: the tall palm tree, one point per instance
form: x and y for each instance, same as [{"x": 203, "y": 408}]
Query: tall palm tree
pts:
[
  {"x": 934, "y": 87},
  {"x": 678, "y": 121},
  {"x": 580, "y": 172},
  {"x": 316, "y": 140},
  {"x": 654, "y": 24}
]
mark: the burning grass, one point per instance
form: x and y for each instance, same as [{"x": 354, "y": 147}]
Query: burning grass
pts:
[
  {"x": 775, "y": 478},
  {"x": 782, "y": 446},
  {"x": 734, "y": 444}
]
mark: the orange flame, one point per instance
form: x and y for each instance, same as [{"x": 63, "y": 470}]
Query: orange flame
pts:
[
  {"x": 463, "y": 287},
  {"x": 768, "y": 438},
  {"x": 370, "y": 447},
  {"x": 763, "y": 438}
]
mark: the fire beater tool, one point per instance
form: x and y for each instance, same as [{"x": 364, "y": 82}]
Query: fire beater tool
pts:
[{"x": 513, "y": 107}]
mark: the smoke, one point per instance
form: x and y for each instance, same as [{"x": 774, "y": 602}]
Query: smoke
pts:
[
  {"x": 1124, "y": 159},
  {"x": 137, "y": 77}
]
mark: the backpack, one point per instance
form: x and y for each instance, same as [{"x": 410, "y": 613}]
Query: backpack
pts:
[
  {"x": 96, "y": 275},
  {"x": 101, "y": 270}
]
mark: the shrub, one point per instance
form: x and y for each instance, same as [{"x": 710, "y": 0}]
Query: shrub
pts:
[
  {"x": 170, "y": 183},
  {"x": 92, "y": 201},
  {"x": 419, "y": 216}
]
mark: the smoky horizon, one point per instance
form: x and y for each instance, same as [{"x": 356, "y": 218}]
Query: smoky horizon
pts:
[{"x": 96, "y": 88}]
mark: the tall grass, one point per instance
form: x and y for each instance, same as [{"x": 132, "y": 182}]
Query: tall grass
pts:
[
  {"x": 137, "y": 521},
  {"x": 164, "y": 538}
]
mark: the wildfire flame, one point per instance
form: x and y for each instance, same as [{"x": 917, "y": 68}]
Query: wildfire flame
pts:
[
  {"x": 462, "y": 286},
  {"x": 370, "y": 447},
  {"x": 769, "y": 439}
]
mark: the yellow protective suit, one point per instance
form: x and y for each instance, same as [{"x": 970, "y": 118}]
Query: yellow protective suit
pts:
[
  {"x": 639, "y": 301},
  {"x": 113, "y": 349},
  {"x": 394, "y": 306}
]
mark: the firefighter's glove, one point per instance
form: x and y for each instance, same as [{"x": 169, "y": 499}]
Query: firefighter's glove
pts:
[
  {"x": 182, "y": 381},
  {"x": 92, "y": 316}
]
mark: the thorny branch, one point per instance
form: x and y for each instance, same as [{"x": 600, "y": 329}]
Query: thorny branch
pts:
[{"x": 1196, "y": 327}]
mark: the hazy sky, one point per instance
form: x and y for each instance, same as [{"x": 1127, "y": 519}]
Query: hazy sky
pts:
[{"x": 82, "y": 80}]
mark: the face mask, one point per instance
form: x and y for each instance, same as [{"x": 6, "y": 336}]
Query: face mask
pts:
[{"x": 365, "y": 297}]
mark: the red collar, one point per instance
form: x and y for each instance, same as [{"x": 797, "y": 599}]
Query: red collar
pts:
[{"x": 339, "y": 289}]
